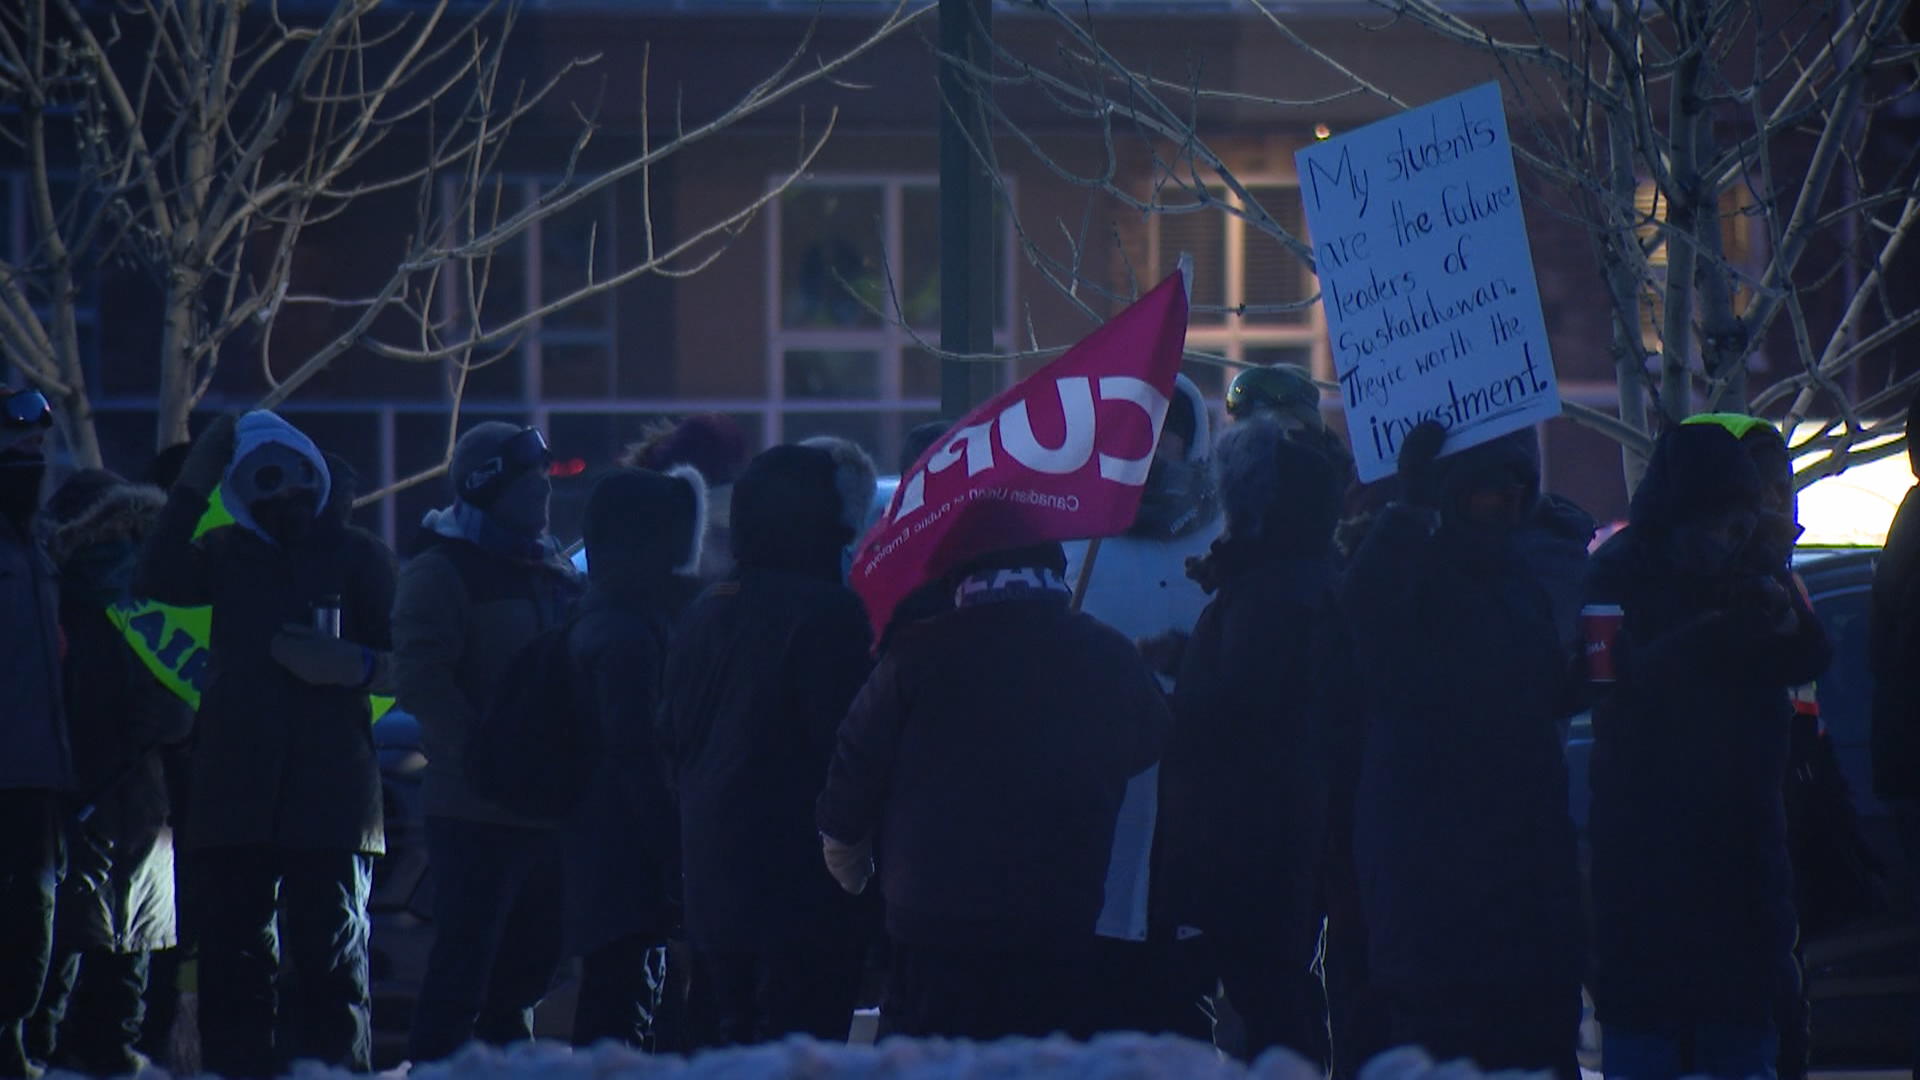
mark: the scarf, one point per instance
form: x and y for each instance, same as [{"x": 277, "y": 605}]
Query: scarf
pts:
[
  {"x": 996, "y": 586},
  {"x": 465, "y": 521}
]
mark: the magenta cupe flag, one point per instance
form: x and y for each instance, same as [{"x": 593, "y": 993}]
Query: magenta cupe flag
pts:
[{"x": 1063, "y": 455}]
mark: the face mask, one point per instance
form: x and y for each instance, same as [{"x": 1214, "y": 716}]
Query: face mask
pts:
[
  {"x": 270, "y": 471},
  {"x": 522, "y": 507},
  {"x": 287, "y": 518}
]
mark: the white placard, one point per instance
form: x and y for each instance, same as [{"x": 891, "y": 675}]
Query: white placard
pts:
[{"x": 1426, "y": 278}]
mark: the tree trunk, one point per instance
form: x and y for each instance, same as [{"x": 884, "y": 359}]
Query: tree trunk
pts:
[
  {"x": 76, "y": 423},
  {"x": 176, "y": 369}
]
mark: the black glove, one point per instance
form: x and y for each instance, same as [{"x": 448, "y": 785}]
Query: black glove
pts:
[
  {"x": 1770, "y": 549},
  {"x": 319, "y": 660},
  {"x": 1419, "y": 471},
  {"x": 206, "y": 463},
  {"x": 1765, "y": 601}
]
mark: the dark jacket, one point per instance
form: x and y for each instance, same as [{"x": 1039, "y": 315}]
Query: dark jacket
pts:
[
  {"x": 622, "y": 842},
  {"x": 1245, "y": 781},
  {"x": 1463, "y": 845},
  {"x": 276, "y": 761},
  {"x": 756, "y": 684},
  {"x": 118, "y": 892},
  {"x": 1692, "y": 882},
  {"x": 1894, "y": 655},
  {"x": 35, "y": 732},
  {"x": 461, "y": 615},
  {"x": 987, "y": 758}
]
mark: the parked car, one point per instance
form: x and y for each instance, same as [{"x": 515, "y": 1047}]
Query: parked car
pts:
[{"x": 1863, "y": 980}]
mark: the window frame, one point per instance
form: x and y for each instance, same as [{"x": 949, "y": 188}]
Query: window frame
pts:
[
  {"x": 1233, "y": 335},
  {"x": 891, "y": 339},
  {"x": 533, "y": 344}
]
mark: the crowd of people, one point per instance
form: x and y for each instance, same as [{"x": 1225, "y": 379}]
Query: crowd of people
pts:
[{"x": 1282, "y": 767}]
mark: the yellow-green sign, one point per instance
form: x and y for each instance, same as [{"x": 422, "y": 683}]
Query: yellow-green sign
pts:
[{"x": 174, "y": 642}]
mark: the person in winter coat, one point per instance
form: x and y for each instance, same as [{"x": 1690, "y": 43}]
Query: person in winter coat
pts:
[
  {"x": 163, "y": 974},
  {"x": 1244, "y": 782},
  {"x": 1894, "y": 657},
  {"x": 713, "y": 444},
  {"x": 36, "y": 762},
  {"x": 1286, "y": 395},
  {"x": 758, "y": 679},
  {"x": 285, "y": 796},
  {"x": 116, "y": 903},
  {"x": 858, "y": 481},
  {"x": 984, "y": 765},
  {"x": 1835, "y": 870},
  {"x": 486, "y": 580},
  {"x": 1137, "y": 584},
  {"x": 643, "y": 534},
  {"x": 1463, "y": 844},
  {"x": 1692, "y": 881}
]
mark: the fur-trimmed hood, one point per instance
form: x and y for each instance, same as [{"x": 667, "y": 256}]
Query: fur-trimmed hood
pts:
[
  {"x": 122, "y": 511},
  {"x": 1275, "y": 488},
  {"x": 854, "y": 476},
  {"x": 1200, "y": 447},
  {"x": 642, "y": 525}
]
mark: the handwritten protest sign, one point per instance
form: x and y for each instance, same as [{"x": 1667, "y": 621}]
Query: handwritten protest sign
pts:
[{"x": 1427, "y": 281}]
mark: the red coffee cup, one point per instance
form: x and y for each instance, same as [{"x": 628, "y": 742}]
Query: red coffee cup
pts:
[{"x": 1600, "y": 626}]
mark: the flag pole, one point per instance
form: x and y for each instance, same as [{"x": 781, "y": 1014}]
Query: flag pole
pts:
[
  {"x": 1184, "y": 264},
  {"x": 1086, "y": 573}
]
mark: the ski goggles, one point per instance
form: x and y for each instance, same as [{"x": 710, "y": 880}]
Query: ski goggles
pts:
[
  {"x": 272, "y": 470},
  {"x": 525, "y": 450},
  {"x": 25, "y": 409}
]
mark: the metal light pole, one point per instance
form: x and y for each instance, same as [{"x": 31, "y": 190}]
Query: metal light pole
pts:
[{"x": 967, "y": 241}]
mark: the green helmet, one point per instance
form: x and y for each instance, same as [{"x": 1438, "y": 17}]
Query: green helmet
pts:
[{"x": 1283, "y": 388}]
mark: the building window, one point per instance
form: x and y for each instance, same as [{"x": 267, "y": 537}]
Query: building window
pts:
[
  {"x": 1239, "y": 274},
  {"x": 570, "y": 355},
  {"x": 854, "y": 289},
  {"x": 1737, "y": 244}
]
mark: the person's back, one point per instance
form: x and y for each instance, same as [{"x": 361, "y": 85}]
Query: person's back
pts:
[
  {"x": 1894, "y": 654},
  {"x": 1023, "y": 723},
  {"x": 985, "y": 762},
  {"x": 1462, "y": 837},
  {"x": 1246, "y": 776},
  {"x": 36, "y": 769},
  {"x": 753, "y": 734},
  {"x": 621, "y": 841},
  {"x": 117, "y": 898},
  {"x": 759, "y": 675}
]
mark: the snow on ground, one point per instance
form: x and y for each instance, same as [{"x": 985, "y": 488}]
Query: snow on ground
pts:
[{"x": 1111, "y": 1057}]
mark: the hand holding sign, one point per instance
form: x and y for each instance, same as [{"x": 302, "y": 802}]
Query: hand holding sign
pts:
[
  {"x": 1418, "y": 453},
  {"x": 1427, "y": 280}
]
